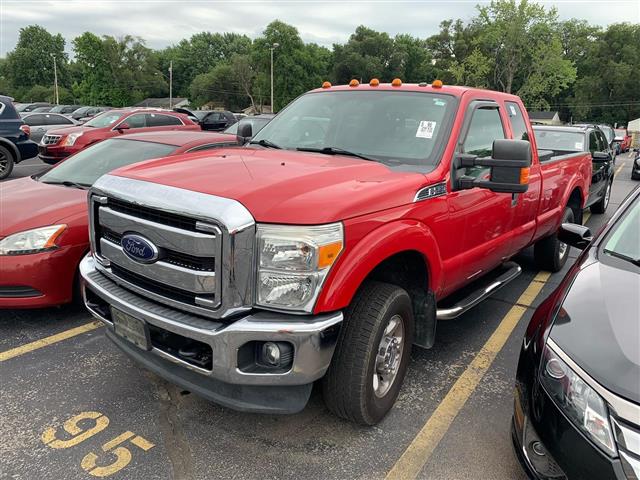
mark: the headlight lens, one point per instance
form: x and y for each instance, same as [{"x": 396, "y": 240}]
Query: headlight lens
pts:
[
  {"x": 31, "y": 241},
  {"x": 71, "y": 139},
  {"x": 293, "y": 263},
  {"x": 577, "y": 400}
]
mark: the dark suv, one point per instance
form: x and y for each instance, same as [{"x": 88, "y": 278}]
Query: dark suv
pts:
[{"x": 14, "y": 138}]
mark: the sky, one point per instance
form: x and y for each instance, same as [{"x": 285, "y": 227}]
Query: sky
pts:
[{"x": 166, "y": 22}]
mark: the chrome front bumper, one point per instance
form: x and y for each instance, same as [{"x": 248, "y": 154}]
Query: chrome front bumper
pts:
[{"x": 313, "y": 337}]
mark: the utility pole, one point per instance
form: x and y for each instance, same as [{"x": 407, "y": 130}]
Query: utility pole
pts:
[
  {"x": 272, "y": 48},
  {"x": 170, "y": 84},
  {"x": 55, "y": 79}
]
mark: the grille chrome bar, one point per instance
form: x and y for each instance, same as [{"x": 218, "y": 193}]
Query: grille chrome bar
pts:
[
  {"x": 50, "y": 139},
  {"x": 191, "y": 280}
]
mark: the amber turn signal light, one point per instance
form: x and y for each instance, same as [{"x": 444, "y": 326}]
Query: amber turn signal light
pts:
[{"x": 524, "y": 176}]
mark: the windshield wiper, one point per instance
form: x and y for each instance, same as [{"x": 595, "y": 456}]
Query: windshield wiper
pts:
[
  {"x": 622, "y": 256},
  {"x": 67, "y": 183},
  {"x": 335, "y": 151},
  {"x": 266, "y": 143}
]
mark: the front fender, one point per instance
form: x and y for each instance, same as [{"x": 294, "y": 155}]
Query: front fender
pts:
[{"x": 360, "y": 258}]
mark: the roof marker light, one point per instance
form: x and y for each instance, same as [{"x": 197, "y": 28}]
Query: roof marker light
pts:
[
  {"x": 437, "y": 84},
  {"x": 354, "y": 83},
  {"x": 374, "y": 82},
  {"x": 326, "y": 84},
  {"x": 396, "y": 82}
]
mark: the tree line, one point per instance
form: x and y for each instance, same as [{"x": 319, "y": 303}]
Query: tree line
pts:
[{"x": 585, "y": 72}]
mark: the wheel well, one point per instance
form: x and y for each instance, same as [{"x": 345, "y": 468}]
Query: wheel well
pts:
[
  {"x": 575, "y": 204},
  {"x": 12, "y": 149}
]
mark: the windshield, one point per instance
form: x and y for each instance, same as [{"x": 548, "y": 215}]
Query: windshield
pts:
[
  {"x": 624, "y": 238},
  {"x": 392, "y": 127},
  {"x": 257, "y": 124},
  {"x": 103, "y": 120},
  {"x": 621, "y": 132},
  {"x": 86, "y": 166},
  {"x": 608, "y": 132},
  {"x": 558, "y": 140}
]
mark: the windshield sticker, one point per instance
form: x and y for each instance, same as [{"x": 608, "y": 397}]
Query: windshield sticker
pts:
[
  {"x": 578, "y": 145},
  {"x": 426, "y": 129},
  {"x": 439, "y": 103},
  {"x": 513, "y": 111}
]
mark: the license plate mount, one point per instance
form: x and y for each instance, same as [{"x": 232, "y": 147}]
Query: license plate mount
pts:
[{"x": 131, "y": 329}]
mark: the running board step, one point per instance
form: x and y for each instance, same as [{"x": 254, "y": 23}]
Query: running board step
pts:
[{"x": 481, "y": 289}]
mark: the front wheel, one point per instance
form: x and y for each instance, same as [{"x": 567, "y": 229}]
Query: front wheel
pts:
[
  {"x": 550, "y": 253},
  {"x": 372, "y": 354},
  {"x": 603, "y": 203}
]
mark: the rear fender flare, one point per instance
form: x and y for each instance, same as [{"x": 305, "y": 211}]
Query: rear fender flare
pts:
[{"x": 360, "y": 259}]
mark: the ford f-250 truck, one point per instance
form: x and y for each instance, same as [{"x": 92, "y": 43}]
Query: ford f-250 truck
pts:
[{"x": 327, "y": 246}]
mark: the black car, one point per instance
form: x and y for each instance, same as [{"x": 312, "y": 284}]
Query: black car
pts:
[
  {"x": 562, "y": 141},
  {"x": 15, "y": 145},
  {"x": 84, "y": 113},
  {"x": 609, "y": 134},
  {"x": 635, "y": 168},
  {"x": 30, "y": 107},
  {"x": 577, "y": 393},
  {"x": 65, "y": 109},
  {"x": 211, "y": 120}
]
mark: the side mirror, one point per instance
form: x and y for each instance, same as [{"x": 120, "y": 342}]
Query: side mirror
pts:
[
  {"x": 601, "y": 157},
  {"x": 123, "y": 126},
  {"x": 509, "y": 163},
  {"x": 245, "y": 132},
  {"x": 575, "y": 235}
]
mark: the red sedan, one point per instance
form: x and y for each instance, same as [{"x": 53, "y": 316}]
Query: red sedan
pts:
[
  {"x": 60, "y": 143},
  {"x": 43, "y": 220}
]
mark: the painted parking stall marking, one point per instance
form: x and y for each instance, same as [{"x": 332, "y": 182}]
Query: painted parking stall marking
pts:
[
  {"x": 418, "y": 452},
  {"x": 96, "y": 464}
]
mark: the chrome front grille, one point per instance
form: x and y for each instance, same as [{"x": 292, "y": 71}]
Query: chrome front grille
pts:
[
  {"x": 628, "y": 439},
  {"x": 206, "y": 261},
  {"x": 50, "y": 139}
]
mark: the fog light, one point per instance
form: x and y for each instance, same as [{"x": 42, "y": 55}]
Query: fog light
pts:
[{"x": 271, "y": 353}]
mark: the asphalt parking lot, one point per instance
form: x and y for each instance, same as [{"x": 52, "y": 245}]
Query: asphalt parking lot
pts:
[{"x": 451, "y": 420}]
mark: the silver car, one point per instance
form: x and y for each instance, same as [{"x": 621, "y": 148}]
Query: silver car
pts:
[{"x": 40, "y": 123}]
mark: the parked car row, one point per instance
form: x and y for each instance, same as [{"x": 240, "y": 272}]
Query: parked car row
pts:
[{"x": 248, "y": 264}]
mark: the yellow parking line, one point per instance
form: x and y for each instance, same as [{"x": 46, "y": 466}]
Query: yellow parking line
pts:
[
  {"x": 618, "y": 169},
  {"x": 585, "y": 217},
  {"x": 43, "y": 342},
  {"x": 417, "y": 454}
]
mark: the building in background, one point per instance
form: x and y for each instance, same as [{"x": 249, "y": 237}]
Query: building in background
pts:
[
  {"x": 163, "y": 103},
  {"x": 545, "y": 118}
]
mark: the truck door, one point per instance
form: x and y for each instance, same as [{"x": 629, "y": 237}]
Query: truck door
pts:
[
  {"x": 525, "y": 205},
  {"x": 481, "y": 217}
]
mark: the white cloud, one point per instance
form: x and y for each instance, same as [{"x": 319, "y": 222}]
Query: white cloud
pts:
[{"x": 165, "y": 22}]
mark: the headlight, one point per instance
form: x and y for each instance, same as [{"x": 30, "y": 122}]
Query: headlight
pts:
[
  {"x": 577, "y": 400},
  {"x": 71, "y": 139},
  {"x": 293, "y": 263},
  {"x": 31, "y": 241}
]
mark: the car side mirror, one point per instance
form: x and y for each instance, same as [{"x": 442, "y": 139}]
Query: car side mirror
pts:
[
  {"x": 600, "y": 156},
  {"x": 509, "y": 163},
  {"x": 245, "y": 132},
  {"x": 575, "y": 235},
  {"x": 123, "y": 126}
]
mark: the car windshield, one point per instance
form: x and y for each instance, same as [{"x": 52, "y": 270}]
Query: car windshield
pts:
[
  {"x": 21, "y": 108},
  {"x": 85, "y": 167},
  {"x": 608, "y": 132},
  {"x": 621, "y": 132},
  {"x": 391, "y": 127},
  {"x": 624, "y": 239},
  {"x": 558, "y": 140},
  {"x": 103, "y": 120},
  {"x": 257, "y": 124}
]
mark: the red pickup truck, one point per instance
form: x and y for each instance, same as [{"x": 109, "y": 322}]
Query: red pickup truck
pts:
[{"x": 327, "y": 246}]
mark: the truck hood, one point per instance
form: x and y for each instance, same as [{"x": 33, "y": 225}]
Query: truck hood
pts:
[
  {"x": 281, "y": 186},
  {"x": 598, "y": 326},
  {"x": 28, "y": 204}
]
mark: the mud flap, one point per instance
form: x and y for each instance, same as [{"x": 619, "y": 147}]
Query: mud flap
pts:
[{"x": 424, "y": 307}]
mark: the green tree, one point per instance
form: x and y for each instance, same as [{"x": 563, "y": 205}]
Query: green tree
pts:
[{"x": 31, "y": 62}]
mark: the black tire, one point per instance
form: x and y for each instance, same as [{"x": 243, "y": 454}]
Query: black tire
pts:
[
  {"x": 634, "y": 176},
  {"x": 348, "y": 386},
  {"x": 6, "y": 162},
  {"x": 603, "y": 203},
  {"x": 548, "y": 251}
]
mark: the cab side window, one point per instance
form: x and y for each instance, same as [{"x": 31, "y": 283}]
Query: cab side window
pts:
[
  {"x": 595, "y": 145},
  {"x": 136, "y": 121},
  {"x": 485, "y": 127},
  {"x": 516, "y": 119},
  {"x": 159, "y": 120}
]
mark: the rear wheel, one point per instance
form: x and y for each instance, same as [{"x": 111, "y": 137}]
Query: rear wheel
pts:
[
  {"x": 550, "y": 253},
  {"x": 372, "y": 354},
  {"x": 603, "y": 203},
  {"x": 6, "y": 162}
]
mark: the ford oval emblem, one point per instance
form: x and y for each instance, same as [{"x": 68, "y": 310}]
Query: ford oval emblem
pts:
[{"x": 139, "y": 248}]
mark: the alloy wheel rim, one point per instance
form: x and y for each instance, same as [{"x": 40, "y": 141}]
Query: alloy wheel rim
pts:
[
  {"x": 389, "y": 356},
  {"x": 4, "y": 163},
  {"x": 563, "y": 248}
]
